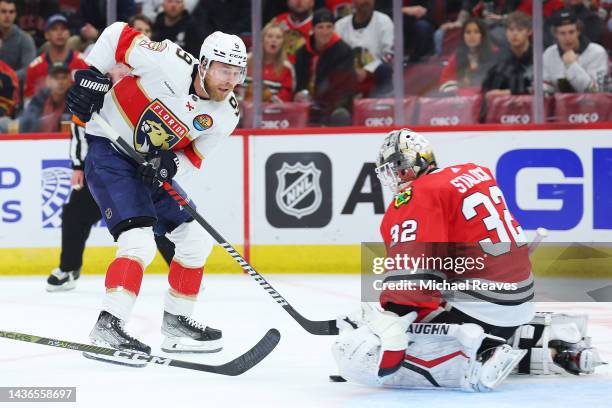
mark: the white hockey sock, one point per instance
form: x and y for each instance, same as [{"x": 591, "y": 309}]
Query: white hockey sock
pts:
[
  {"x": 179, "y": 305},
  {"x": 119, "y": 303}
]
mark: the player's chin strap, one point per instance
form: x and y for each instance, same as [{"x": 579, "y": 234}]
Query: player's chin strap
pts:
[
  {"x": 556, "y": 343},
  {"x": 201, "y": 77}
]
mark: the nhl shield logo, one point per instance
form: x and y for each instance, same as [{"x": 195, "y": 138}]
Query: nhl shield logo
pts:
[{"x": 299, "y": 190}]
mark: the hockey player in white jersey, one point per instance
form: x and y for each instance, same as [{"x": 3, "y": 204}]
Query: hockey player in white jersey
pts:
[{"x": 173, "y": 108}]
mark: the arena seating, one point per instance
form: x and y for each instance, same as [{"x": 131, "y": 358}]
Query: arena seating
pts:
[
  {"x": 583, "y": 108},
  {"x": 278, "y": 115},
  {"x": 422, "y": 79},
  {"x": 448, "y": 111},
  {"x": 380, "y": 112},
  {"x": 513, "y": 109}
]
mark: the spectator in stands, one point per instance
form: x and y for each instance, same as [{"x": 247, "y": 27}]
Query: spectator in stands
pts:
[
  {"x": 468, "y": 66},
  {"x": 47, "y": 109},
  {"x": 549, "y": 7},
  {"x": 418, "y": 29},
  {"x": 278, "y": 74},
  {"x": 17, "y": 48},
  {"x": 592, "y": 24},
  {"x": 325, "y": 71},
  {"x": 573, "y": 64},
  {"x": 513, "y": 74},
  {"x": 370, "y": 34},
  {"x": 151, "y": 8},
  {"x": 33, "y": 15},
  {"x": 228, "y": 16},
  {"x": 297, "y": 24},
  {"x": 93, "y": 13},
  {"x": 175, "y": 24},
  {"x": 494, "y": 13},
  {"x": 142, "y": 23},
  {"x": 9, "y": 95},
  {"x": 57, "y": 34},
  {"x": 340, "y": 8},
  {"x": 460, "y": 14}
]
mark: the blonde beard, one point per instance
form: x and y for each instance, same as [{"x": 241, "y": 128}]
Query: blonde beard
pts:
[{"x": 212, "y": 94}]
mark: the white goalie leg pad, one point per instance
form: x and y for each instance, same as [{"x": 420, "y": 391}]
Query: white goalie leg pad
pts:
[
  {"x": 193, "y": 244},
  {"x": 137, "y": 243},
  {"x": 438, "y": 356},
  {"x": 445, "y": 355},
  {"x": 549, "y": 334}
]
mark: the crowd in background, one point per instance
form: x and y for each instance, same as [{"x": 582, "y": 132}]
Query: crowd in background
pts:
[{"x": 324, "y": 53}]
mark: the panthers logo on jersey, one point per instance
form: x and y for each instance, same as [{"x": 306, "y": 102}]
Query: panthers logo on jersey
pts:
[{"x": 158, "y": 129}]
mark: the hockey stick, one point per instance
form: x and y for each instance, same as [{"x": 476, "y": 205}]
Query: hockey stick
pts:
[
  {"x": 319, "y": 327},
  {"x": 235, "y": 367},
  {"x": 541, "y": 233}
]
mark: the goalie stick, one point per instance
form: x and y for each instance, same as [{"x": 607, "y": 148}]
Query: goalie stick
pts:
[
  {"x": 232, "y": 368},
  {"x": 318, "y": 327}
]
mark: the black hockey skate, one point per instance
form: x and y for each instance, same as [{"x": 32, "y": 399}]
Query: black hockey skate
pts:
[
  {"x": 60, "y": 281},
  {"x": 109, "y": 332},
  {"x": 184, "y": 335}
]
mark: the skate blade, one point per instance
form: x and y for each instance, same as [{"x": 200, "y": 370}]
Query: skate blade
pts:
[
  {"x": 174, "y": 345},
  {"x": 113, "y": 360},
  {"x": 61, "y": 288}
]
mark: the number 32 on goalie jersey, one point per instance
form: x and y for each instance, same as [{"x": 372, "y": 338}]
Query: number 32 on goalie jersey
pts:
[{"x": 439, "y": 212}]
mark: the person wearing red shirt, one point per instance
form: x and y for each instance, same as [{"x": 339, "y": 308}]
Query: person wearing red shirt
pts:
[
  {"x": 297, "y": 25},
  {"x": 278, "y": 74},
  {"x": 48, "y": 108},
  {"x": 457, "y": 204},
  {"x": 57, "y": 33}
]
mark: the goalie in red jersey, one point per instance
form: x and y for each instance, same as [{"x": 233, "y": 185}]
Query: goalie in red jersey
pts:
[{"x": 459, "y": 290}]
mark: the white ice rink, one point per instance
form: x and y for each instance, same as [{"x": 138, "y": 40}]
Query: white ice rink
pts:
[{"x": 294, "y": 375}]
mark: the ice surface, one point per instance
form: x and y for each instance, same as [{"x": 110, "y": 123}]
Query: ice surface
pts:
[{"x": 294, "y": 375}]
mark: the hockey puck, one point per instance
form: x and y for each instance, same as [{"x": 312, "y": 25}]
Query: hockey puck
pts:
[{"x": 336, "y": 378}]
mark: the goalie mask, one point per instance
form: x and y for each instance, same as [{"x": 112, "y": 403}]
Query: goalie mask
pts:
[
  {"x": 225, "y": 48},
  {"x": 404, "y": 156}
]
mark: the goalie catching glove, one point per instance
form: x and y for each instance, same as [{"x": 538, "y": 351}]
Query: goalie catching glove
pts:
[
  {"x": 87, "y": 94},
  {"x": 160, "y": 167}
]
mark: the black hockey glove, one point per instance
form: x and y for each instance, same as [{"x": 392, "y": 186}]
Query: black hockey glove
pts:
[
  {"x": 160, "y": 166},
  {"x": 87, "y": 94}
]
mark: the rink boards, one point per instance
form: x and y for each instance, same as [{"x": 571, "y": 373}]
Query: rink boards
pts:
[{"x": 304, "y": 201}]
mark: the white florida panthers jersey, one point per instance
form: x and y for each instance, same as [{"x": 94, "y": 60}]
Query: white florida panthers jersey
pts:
[{"x": 152, "y": 107}]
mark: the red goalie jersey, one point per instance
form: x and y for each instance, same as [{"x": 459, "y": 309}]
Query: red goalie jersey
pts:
[{"x": 466, "y": 248}]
